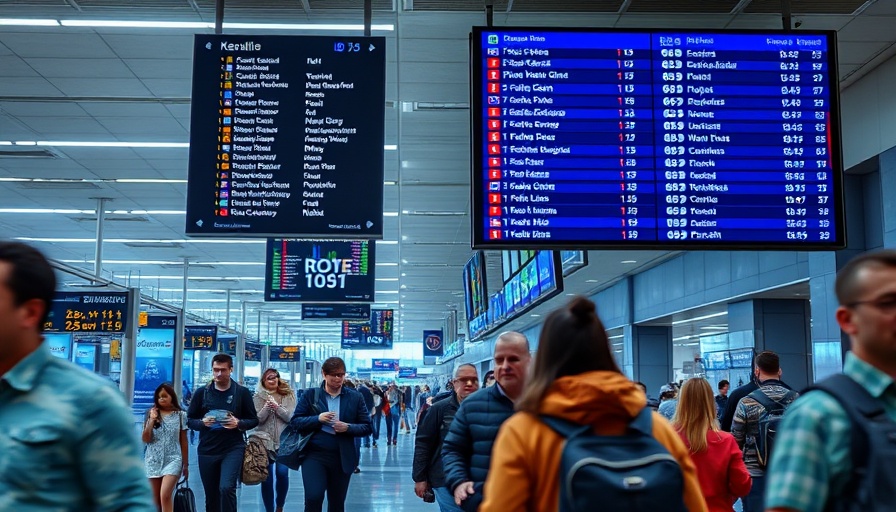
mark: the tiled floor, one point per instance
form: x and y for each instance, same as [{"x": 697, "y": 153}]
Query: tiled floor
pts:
[{"x": 384, "y": 484}]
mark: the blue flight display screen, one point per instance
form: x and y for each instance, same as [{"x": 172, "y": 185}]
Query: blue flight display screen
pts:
[{"x": 656, "y": 139}]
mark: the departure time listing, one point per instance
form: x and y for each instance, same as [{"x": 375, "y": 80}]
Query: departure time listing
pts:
[
  {"x": 663, "y": 137},
  {"x": 293, "y": 136}
]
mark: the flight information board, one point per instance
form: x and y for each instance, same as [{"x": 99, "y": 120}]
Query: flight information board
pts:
[
  {"x": 655, "y": 139},
  {"x": 320, "y": 270},
  {"x": 286, "y": 136}
]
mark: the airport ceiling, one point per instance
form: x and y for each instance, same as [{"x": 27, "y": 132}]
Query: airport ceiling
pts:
[{"x": 92, "y": 84}]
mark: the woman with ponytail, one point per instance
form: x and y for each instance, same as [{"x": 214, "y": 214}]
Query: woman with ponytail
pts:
[{"x": 574, "y": 378}]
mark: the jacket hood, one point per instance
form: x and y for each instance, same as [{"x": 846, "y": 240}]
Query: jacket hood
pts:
[{"x": 593, "y": 398}]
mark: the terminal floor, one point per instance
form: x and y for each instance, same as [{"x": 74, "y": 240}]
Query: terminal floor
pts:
[{"x": 384, "y": 484}]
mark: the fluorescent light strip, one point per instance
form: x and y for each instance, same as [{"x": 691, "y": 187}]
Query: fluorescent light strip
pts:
[
  {"x": 389, "y": 279},
  {"x": 695, "y": 319},
  {"x": 226, "y": 25},
  {"x": 173, "y": 262},
  {"x": 387, "y": 264},
  {"x": 209, "y": 290},
  {"x": 390, "y": 214},
  {"x": 199, "y": 278},
  {"x": 115, "y": 144},
  {"x": 65, "y": 211},
  {"x": 28, "y": 23}
]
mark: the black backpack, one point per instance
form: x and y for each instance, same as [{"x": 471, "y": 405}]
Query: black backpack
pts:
[
  {"x": 872, "y": 447},
  {"x": 769, "y": 420},
  {"x": 632, "y": 472}
]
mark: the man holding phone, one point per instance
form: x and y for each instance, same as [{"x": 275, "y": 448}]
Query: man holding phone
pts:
[{"x": 221, "y": 412}]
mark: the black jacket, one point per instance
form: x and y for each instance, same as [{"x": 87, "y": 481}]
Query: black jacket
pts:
[
  {"x": 216, "y": 439},
  {"x": 428, "y": 444},
  {"x": 467, "y": 449},
  {"x": 734, "y": 399},
  {"x": 351, "y": 410},
  {"x": 368, "y": 396}
]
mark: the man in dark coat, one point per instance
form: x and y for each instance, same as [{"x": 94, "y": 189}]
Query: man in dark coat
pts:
[
  {"x": 466, "y": 451},
  {"x": 428, "y": 472}
]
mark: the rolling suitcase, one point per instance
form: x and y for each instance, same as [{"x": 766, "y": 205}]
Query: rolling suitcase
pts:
[{"x": 184, "y": 500}]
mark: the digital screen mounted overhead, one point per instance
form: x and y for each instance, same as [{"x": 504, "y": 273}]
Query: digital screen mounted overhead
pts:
[
  {"x": 587, "y": 138},
  {"x": 335, "y": 311},
  {"x": 474, "y": 280},
  {"x": 374, "y": 333},
  {"x": 319, "y": 270},
  {"x": 285, "y": 133}
]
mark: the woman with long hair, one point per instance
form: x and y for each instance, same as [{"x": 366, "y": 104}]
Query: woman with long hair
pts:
[
  {"x": 574, "y": 378},
  {"x": 165, "y": 435},
  {"x": 275, "y": 402},
  {"x": 720, "y": 463}
]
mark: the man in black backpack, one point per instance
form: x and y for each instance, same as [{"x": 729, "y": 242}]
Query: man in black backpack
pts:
[
  {"x": 755, "y": 421},
  {"x": 221, "y": 412},
  {"x": 836, "y": 446}
]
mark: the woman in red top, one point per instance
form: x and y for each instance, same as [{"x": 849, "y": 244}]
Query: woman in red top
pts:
[{"x": 720, "y": 463}]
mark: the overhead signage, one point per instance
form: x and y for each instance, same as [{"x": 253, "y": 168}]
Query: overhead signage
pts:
[
  {"x": 60, "y": 344},
  {"x": 432, "y": 344},
  {"x": 335, "y": 311},
  {"x": 88, "y": 312},
  {"x": 200, "y": 337},
  {"x": 320, "y": 270},
  {"x": 656, "y": 139},
  {"x": 375, "y": 333},
  {"x": 287, "y": 136},
  {"x": 285, "y": 353},
  {"x": 407, "y": 372},
  {"x": 379, "y": 365},
  {"x": 252, "y": 351}
]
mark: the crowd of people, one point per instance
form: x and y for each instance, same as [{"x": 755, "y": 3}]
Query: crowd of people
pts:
[{"x": 565, "y": 429}]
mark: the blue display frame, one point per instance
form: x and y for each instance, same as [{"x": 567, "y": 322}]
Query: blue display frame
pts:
[{"x": 591, "y": 236}]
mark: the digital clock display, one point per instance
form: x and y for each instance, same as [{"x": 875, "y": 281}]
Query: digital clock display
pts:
[
  {"x": 88, "y": 312},
  {"x": 726, "y": 139}
]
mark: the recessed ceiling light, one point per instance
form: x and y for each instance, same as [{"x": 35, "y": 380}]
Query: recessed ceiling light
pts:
[
  {"x": 628, "y": 261},
  {"x": 591, "y": 281},
  {"x": 534, "y": 314}
]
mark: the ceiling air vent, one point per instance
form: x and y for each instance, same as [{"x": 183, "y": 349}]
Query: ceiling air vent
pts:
[
  {"x": 27, "y": 153},
  {"x": 117, "y": 218}
]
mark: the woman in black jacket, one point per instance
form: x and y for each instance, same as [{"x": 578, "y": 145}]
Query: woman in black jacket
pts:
[{"x": 337, "y": 417}]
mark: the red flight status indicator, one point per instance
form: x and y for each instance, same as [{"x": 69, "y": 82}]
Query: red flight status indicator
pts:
[{"x": 493, "y": 136}]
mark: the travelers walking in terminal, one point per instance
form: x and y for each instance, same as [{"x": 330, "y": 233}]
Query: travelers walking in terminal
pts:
[
  {"x": 379, "y": 402},
  {"x": 576, "y": 380},
  {"x": 467, "y": 449},
  {"x": 755, "y": 422},
  {"x": 221, "y": 412},
  {"x": 720, "y": 463},
  {"x": 67, "y": 441},
  {"x": 165, "y": 435},
  {"x": 835, "y": 447},
  {"x": 489, "y": 380},
  {"x": 393, "y": 396},
  {"x": 668, "y": 401},
  {"x": 428, "y": 474},
  {"x": 735, "y": 396},
  {"x": 368, "y": 402},
  {"x": 275, "y": 403},
  {"x": 722, "y": 398},
  {"x": 407, "y": 409},
  {"x": 335, "y": 419}
]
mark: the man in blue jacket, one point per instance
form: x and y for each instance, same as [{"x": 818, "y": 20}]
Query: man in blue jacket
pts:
[{"x": 467, "y": 449}]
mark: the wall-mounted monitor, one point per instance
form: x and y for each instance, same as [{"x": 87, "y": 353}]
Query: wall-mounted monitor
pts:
[
  {"x": 320, "y": 270},
  {"x": 691, "y": 139},
  {"x": 474, "y": 280}
]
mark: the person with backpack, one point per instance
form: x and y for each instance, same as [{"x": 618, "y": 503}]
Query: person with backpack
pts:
[
  {"x": 275, "y": 402},
  {"x": 837, "y": 443},
  {"x": 756, "y": 421},
  {"x": 221, "y": 411},
  {"x": 720, "y": 463},
  {"x": 582, "y": 423}
]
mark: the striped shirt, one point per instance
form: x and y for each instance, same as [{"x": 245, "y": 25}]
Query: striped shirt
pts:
[
  {"x": 745, "y": 427},
  {"x": 812, "y": 459}
]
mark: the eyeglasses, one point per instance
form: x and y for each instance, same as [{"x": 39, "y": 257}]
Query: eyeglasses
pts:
[
  {"x": 885, "y": 305},
  {"x": 337, "y": 375},
  {"x": 471, "y": 380}
]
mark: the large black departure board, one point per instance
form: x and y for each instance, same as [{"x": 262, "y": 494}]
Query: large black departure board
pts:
[
  {"x": 320, "y": 270},
  {"x": 676, "y": 139},
  {"x": 286, "y": 136}
]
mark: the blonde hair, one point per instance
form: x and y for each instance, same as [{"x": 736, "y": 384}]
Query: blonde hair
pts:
[
  {"x": 695, "y": 414},
  {"x": 283, "y": 387}
]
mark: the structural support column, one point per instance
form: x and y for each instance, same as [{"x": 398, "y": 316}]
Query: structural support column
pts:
[
  {"x": 780, "y": 325},
  {"x": 129, "y": 346},
  {"x": 100, "y": 227},
  {"x": 239, "y": 359},
  {"x": 651, "y": 348}
]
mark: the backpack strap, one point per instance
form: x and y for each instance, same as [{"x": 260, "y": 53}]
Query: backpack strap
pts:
[
  {"x": 317, "y": 395},
  {"x": 643, "y": 422},
  {"x": 565, "y": 428},
  {"x": 862, "y": 409},
  {"x": 767, "y": 402}
]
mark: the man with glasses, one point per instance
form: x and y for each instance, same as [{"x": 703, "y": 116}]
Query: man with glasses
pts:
[
  {"x": 467, "y": 448},
  {"x": 429, "y": 476},
  {"x": 812, "y": 465}
]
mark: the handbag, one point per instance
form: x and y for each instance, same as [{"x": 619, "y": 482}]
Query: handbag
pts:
[
  {"x": 293, "y": 443},
  {"x": 184, "y": 500}
]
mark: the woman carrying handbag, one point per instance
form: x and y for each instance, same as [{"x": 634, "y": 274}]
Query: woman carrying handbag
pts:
[{"x": 275, "y": 402}]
